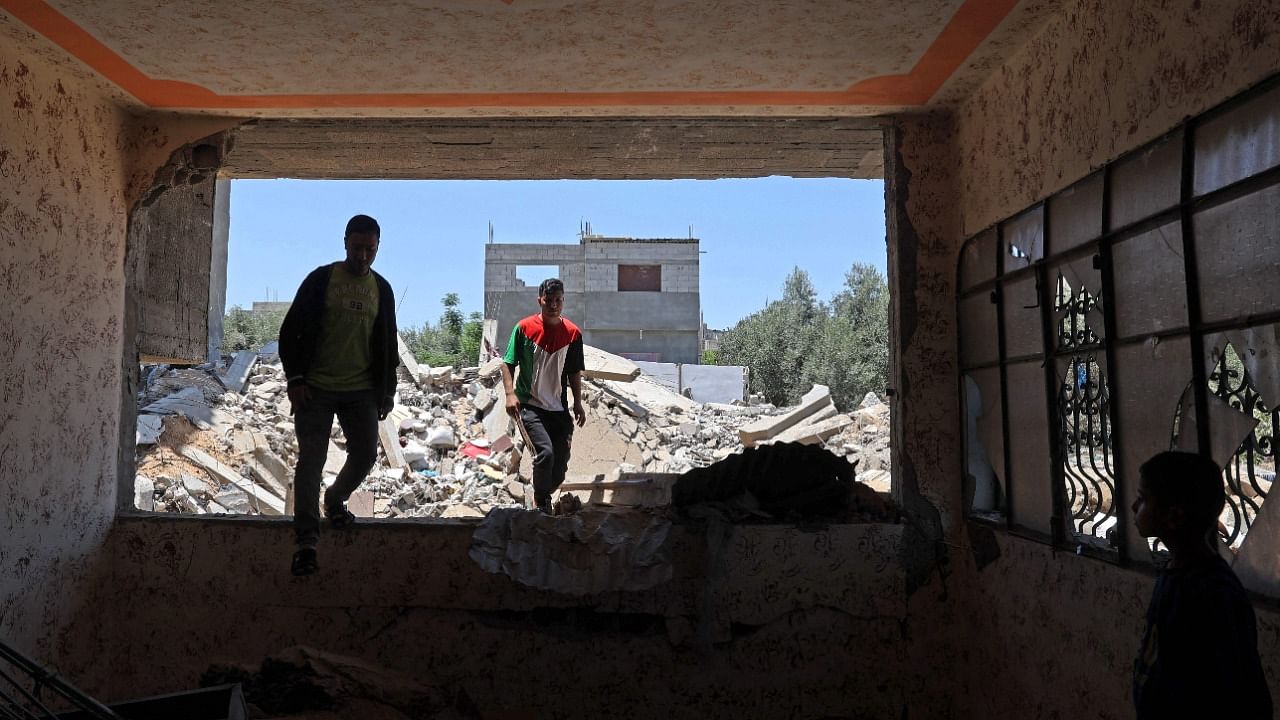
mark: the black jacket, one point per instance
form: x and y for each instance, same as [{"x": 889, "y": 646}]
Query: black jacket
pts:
[{"x": 300, "y": 333}]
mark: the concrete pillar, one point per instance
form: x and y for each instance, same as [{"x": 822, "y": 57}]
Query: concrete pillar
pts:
[{"x": 218, "y": 264}]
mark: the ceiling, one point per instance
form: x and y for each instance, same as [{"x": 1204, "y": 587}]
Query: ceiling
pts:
[{"x": 531, "y": 57}]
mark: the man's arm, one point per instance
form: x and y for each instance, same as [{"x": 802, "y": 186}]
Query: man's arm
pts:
[
  {"x": 579, "y": 412},
  {"x": 508, "y": 384}
]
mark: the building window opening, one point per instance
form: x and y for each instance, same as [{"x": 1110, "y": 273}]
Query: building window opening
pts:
[
  {"x": 639, "y": 278},
  {"x": 729, "y": 336}
]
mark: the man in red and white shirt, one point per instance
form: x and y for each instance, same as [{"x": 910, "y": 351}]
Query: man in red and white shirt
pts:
[{"x": 548, "y": 350}]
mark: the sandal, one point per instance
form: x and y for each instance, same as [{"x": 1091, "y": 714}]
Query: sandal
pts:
[
  {"x": 339, "y": 516},
  {"x": 304, "y": 562}
]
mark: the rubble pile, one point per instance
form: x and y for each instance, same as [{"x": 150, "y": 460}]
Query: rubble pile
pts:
[{"x": 220, "y": 439}]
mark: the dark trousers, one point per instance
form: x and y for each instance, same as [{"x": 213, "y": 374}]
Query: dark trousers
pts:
[
  {"x": 357, "y": 413},
  {"x": 552, "y": 435}
]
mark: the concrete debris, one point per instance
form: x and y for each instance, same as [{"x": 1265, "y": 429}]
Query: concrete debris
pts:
[
  {"x": 585, "y": 553},
  {"x": 814, "y": 401},
  {"x": 144, "y": 493},
  {"x": 449, "y": 441},
  {"x": 600, "y": 365},
  {"x": 149, "y": 429},
  {"x": 237, "y": 375}
]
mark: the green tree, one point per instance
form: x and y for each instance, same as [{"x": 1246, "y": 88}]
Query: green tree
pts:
[
  {"x": 710, "y": 357},
  {"x": 798, "y": 341},
  {"x": 454, "y": 341},
  {"x": 246, "y": 330}
]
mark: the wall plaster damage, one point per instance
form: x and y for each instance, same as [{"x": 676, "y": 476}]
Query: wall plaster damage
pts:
[{"x": 933, "y": 617}]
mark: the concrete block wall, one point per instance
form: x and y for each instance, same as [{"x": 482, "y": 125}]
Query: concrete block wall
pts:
[{"x": 663, "y": 322}]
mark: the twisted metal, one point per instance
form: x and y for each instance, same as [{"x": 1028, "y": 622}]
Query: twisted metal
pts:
[
  {"x": 1248, "y": 474},
  {"x": 1072, "y": 306}
]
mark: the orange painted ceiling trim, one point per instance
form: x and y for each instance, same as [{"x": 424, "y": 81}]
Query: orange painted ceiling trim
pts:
[{"x": 966, "y": 30}]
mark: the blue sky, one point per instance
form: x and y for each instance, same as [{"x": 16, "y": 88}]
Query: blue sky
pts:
[{"x": 753, "y": 232}]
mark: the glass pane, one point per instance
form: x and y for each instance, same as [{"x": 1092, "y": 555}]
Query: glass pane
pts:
[
  {"x": 1146, "y": 182},
  {"x": 1024, "y": 236},
  {"x": 1238, "y": 256},
  {"x": 1075, "y": 214},
  {"x": 978, "y": 259},
  {"x": 984, "y": 439},
  {"x": 1150, "y": 282},
  {"x": 1030, "y": 480},
  {"x": 1023, "y": 334},
  {"x": 1238, "y": 144},
  {"x": 1239, "y": 367},
  {"x": 1150, "y": 379},
  {"x": 1077, "y": 303},
  {"x": 1084, "y": 441},
  {"x": 979, "y": 343}
]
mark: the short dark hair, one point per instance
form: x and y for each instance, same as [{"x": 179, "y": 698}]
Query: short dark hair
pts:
[
  {"x": 549, "y": 286},
  {"x": 363, "y": 224},
  {"x": 1186, "y": 480}
]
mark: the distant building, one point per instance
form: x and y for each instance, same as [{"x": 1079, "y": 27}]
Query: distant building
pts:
[
  {"x": 260, "y": 307},
  {"x": 710, "y": 339},
  {"x": 633, "y": 297}
]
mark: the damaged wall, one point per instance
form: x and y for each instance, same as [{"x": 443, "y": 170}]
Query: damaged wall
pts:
[
  {"x": 777, "y": 622},
  {"x": 1101, "y": 79}
]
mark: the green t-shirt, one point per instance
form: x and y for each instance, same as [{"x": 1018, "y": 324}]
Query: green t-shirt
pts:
[{"x": 343, "y": 358}]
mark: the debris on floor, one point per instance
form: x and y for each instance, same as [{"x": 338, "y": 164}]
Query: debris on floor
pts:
[{"x": 448, "y": 449}]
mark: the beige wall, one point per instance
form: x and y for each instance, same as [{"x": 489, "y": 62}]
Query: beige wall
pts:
[
  {"x": 1052, "y": 634},
  {"x": 1102, "y": 78},
  {"x": 62, "y": 234},
  {"x": 72, "y": 161}
]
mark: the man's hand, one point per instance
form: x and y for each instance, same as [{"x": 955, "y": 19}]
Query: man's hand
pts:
[
  {"x": 513, "y": 405},
  {"x": 579, "y": 414},
  {"x": 384, "y": 408},
  {"x": 299, "y": 396}
]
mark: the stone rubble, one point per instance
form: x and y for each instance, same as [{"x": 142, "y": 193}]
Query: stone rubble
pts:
[{"x": 222, "y": 451}]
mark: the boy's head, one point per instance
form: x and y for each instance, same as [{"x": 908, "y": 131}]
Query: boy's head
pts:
[
  {"x": 551, "y": 299},
  {"x": 1179, "y": 493}
]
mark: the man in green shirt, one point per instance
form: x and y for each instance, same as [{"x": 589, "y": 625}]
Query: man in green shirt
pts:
[{"x": 338, "y": 347}]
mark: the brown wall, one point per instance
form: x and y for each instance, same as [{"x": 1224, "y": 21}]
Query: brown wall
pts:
[{"x": 1052, "y": 634}]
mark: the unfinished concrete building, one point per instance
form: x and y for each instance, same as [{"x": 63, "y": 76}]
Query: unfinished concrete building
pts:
[
  {"x": 633, "y": 297},
  {"x": 1074, "y": 189}
]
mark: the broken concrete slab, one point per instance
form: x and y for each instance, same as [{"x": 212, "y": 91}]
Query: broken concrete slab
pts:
[
  {"x": 491, "y": 369},
  {"x": 601, "y": 365},
  {"x": 237, "y": 375},
  {"x": 825, "y": 423},
  {"x": 361, "y": 503},
  {"x": 263, "y": 501},
  {"x": 191, "y": 404},
  {"x": 816, "y": 399},
  {"x": 149, "y": 429},
  {"x": 144, "y": 493},
  {"x": 390, "y": 440},
  {"x": 408, "y": 361},
  {"x": 277, "y": 485}
]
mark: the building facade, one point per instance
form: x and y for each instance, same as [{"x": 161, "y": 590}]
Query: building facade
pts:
[{"x": 633, "y": 297}]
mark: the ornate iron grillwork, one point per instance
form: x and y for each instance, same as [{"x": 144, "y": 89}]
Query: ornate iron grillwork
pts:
[
  {"x": 1072, "y": 307},
  {"x": 1084, "y": 407},
  {"x": 1249, "y": 473}
]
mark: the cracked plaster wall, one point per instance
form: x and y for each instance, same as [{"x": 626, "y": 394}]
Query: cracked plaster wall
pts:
[{"x": 1052, "y": 634}]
